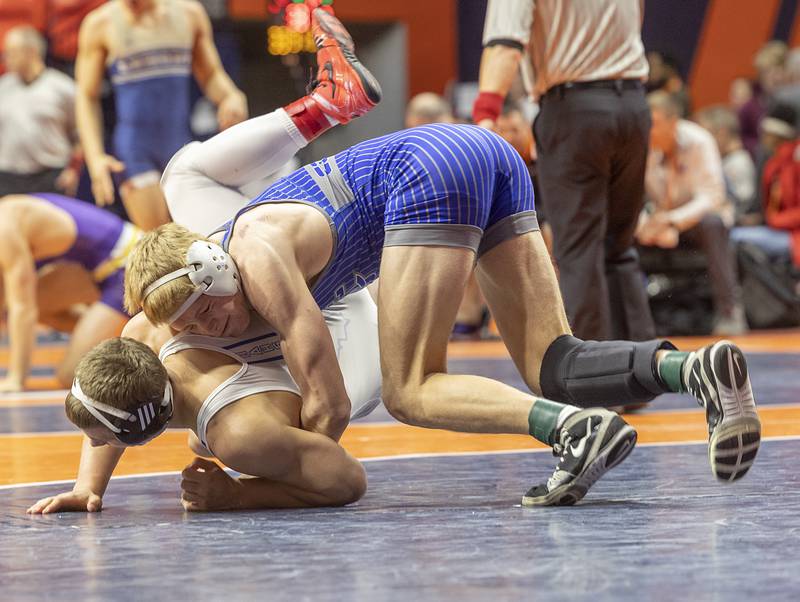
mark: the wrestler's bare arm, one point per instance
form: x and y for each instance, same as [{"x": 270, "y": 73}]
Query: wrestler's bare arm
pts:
[
  {"x": 210, "y": 74},
  {"x": 276, "y": 287},
  {"x": 18, "y": 273},
  {"x": 95, "y": 470},
  {"x": 90, "y": 66}
]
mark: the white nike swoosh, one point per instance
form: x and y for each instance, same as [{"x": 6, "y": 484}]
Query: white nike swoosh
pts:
[{"x": 577, "y": 450}]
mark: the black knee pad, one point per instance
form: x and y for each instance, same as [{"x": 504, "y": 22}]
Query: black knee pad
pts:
[{"x": 604, "y": 373}]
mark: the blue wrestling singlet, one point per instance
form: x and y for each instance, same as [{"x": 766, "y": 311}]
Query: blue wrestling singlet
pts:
[
  {"x": 436, "y": 185},
  {"x": 151, "y": 74}
]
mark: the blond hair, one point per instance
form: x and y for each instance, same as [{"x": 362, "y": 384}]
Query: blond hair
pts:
[
  {"x": 160, "y": 252},
  {"x": 119, "y": 372}
]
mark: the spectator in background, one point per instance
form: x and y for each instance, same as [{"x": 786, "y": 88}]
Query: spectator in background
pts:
[
  {"x": 779, "y": 238},
  {"x": 789, "y": 92},
  {"x": 591, "y": 137},
  {"x": 740, "y": 93},
  {"x": 777, "y": 127},
  {"x": 769, "y": 63},
  {"x": 37, "y": 120},
  {"x": 778, "y": 133},
  {"x": 665, "y": 74},
  {"x": 428, "y": 107},
  {"x": 151, "y": 49},
  {"x": 737, "y": 165},
  {"x": 688, "y": 207}
]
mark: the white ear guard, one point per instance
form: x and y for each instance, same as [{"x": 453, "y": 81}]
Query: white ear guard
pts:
[
  {"x": 149, "y": 420},
  {"x": 210, "y": 268}
]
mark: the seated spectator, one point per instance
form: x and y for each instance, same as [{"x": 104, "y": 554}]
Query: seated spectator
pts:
[
  {"x": 685, "y": 187},
  {"x": 776, "y": 128},
  {"x": 665, "y": 75},
  {"x": 428, "y": 107},
  {"x": 769, "y": 63},
  {"x": 737, "y": 165},
  {"x": 789, "y": 92},
  {"x": 37, "y": 119},
  {"x": 779, "y": 237}
]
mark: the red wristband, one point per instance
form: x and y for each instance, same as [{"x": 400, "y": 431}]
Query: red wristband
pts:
[
  {"x": 488, "y": 105},
  {"x": 76, "y": 161}
]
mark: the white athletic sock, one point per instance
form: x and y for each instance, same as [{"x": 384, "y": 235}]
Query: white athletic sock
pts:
[
  {"x": 251, "y": 150},
  {"x": 203, "y": 180}
]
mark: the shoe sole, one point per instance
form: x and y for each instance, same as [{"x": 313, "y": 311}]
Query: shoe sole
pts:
[
  {"x": 734, "y": 443},
  {"x": 334, "y": 28},
  {"x": 614, "y": 453}
]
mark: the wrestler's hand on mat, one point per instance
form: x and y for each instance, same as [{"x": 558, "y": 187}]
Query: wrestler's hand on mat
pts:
[
  {"x": 232, "y": 110},
  {"x": 205, "y": 486},
  {"x": 73, "y": 501},
  {"x": 100, "y": 170}
]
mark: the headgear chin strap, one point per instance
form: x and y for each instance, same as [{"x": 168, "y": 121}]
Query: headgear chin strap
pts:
[
  {"x": 137, "y": 428},
  {"x": 210, "y": 268}
]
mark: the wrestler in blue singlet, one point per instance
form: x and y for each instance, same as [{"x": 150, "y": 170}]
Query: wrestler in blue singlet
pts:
[
  {"x": 151, "y": 73},
  {"x": 436, "y": 185},
  {"x": 101, "y": 246}
]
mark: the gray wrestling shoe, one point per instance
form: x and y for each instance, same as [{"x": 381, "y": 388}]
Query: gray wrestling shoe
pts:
[
  {"x": 717, "y": 376},
  {"x": 591, "y": 443}
]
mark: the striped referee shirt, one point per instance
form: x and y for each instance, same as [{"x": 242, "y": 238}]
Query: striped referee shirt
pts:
[{"x": 570, "y": 40}]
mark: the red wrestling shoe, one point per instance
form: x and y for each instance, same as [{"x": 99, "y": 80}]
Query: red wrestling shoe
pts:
[{"x": 344, "y": 89}]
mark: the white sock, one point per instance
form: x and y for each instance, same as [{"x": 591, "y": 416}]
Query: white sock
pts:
[
  {"x": 251, "y": 150},
  {"x": 203, "y": 180}
]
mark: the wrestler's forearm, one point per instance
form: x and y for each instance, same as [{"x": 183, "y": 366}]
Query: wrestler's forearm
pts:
[
  {"x": 22, "y": 333},
  {"x": 96, "y": 467},
  {"x": 499, "y": 68},
  {"x": 89, "y": 118},
  {"x": 312, "y": 360}
]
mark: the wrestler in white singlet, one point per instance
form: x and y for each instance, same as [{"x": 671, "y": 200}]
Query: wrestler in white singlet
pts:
[{"x": 353, "y": 325}]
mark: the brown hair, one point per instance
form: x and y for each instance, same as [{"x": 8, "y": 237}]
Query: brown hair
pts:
[
  {"x": 158, "y": 253},
  {"x": 119, "y": 372}
]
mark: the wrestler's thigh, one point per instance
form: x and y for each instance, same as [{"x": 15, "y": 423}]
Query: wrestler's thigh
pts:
[{"x": 420, "y": 290}]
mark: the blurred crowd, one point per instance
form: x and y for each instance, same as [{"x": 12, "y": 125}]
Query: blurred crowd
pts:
[{"x": 721, "y": 182}]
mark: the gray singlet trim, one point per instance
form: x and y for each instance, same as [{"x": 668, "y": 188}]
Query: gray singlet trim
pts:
[
  {"x": 508, "y": 228},
  {"x": 433, "y": 235}
]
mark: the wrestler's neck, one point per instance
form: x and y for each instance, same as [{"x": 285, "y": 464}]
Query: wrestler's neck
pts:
[
  {"x": 138, "y": 8},
  {"x": 184, "y": 407}
]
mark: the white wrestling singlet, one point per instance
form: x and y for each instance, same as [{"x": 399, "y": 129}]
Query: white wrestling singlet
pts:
[{"x": 353, "y": 324}]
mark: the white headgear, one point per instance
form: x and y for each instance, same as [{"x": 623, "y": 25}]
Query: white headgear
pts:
[
  {"x": 129, "y": 428},
  {"x": 211, "y": 270}
]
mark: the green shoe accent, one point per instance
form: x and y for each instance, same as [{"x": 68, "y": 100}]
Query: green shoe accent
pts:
[
  {"x": 543, "y": 420},
  {"x": 670, "y": 370}
]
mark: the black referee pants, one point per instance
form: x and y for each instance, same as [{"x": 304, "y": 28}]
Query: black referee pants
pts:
[{"x": 592, "y": 146}]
